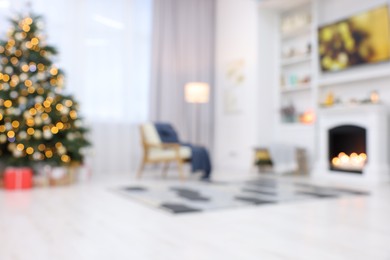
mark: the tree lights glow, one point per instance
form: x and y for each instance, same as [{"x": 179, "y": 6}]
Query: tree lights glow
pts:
[{"x": 37, "y": 122}]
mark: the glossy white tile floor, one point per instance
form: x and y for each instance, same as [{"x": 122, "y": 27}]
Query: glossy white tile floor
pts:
[{"x": 88, "y": 221}]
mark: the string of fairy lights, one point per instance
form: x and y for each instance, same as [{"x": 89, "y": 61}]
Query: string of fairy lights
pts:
[{"x": 37, "y": 121}]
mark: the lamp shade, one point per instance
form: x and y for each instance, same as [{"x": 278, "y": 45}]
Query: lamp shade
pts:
[{"x": 197, "y": 92}]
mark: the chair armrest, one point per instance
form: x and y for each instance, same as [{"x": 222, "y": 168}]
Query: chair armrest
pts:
[
  {"x": 164, "y": 145},
  {"x": 170, "y": 145}
]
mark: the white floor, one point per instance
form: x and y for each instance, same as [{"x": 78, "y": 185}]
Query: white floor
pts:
[{"x": 88, "y": 221}]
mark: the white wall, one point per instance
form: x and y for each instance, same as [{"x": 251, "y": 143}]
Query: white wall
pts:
[
  {"x": 240, "y": 36},
  {"x": 334, "y": 10}
]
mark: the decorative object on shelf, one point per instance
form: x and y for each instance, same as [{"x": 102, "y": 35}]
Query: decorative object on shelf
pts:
[
  {"x": 16, "y": 178},
  {"x": 374, "y": 97},
  {"x": 307, "y": 117},
  {"x": 329, "y": 100},
  {"x": 308, "y": 48},
  {"x": 360, "y": 39},
  {"x": 305, "y": 79},
  {"x": 282, "y": 81},
  {"x": 38, "y": 124},
  {"x": 295, "y": 81},
  {"x": 288, "y": 114},
  {"x": 295, "y": 22},
  {"x": 354, "y": 101},
  {"x": 296, "y": 50}
]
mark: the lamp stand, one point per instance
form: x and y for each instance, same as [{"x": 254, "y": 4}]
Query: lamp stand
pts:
[{"x": 197, "y": 123}]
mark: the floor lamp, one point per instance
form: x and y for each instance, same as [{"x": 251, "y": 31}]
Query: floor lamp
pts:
[{"x": 197, "y": 93}]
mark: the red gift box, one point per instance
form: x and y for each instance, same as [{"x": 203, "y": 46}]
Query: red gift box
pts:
[{"x": 18, "y": 178}]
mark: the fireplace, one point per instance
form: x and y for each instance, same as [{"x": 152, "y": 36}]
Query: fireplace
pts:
[
  {"x": 347, "y": 148},
  {"x": 353, "y": 144}
]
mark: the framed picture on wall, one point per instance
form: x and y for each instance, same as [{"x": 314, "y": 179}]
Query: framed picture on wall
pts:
[{"x": 233, "y": 92}]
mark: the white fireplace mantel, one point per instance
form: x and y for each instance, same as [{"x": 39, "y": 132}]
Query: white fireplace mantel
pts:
[{"x": 372, "y": 117}]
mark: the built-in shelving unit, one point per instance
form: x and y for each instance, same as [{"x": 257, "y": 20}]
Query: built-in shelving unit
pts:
[
  {"x": 292, "y": 89},
  {"x": 302, "y": 31},
  {"x": 295, "y": 60},
  {"x": 295, "y": 92},
  {"x": 296, "y": 85}
]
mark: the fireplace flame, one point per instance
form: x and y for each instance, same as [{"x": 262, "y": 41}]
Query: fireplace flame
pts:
[{"x": 353, "y": 161}]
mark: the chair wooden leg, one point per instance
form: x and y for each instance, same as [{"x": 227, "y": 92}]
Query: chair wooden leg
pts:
[
  {"x": 165, "y": 169},
  {"x": 141, "y": 169},
  {"x": 180, "y": 169}
]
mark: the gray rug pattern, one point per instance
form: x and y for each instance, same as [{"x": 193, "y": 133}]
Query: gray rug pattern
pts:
[{"x": 187, "y": 197}]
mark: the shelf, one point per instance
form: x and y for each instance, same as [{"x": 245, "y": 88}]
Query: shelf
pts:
[
  {"x": 295, "y": 60},
  {"x": 351, "y": 76},
  {"x": 296, "y": 33},
  {"x": 292, "y": 89},
  {"x": 377, "y": 108},
  {"x": 296, "y": 126}
]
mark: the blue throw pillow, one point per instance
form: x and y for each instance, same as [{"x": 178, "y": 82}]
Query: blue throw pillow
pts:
[{"x": 167, "y": 133}]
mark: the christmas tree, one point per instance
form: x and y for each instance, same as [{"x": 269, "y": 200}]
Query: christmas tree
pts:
[{"x": 38, "y": 123}]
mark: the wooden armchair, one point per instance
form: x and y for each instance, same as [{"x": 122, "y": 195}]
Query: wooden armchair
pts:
[{"x": 155, "y": 151}]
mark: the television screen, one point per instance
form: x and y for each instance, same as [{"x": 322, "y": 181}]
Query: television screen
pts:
[{"x": 360, "y": 39}]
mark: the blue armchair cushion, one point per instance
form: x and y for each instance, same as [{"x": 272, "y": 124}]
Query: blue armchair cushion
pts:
[{"x": 200, "y": 159}]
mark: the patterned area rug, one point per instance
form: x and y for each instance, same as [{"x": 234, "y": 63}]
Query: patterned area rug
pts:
[{"x": 198, "y": 196}]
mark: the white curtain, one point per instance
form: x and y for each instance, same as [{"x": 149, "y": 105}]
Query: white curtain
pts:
[
  {"x": 183, "y": 51},
  {"x": 104, "y": 49}
]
